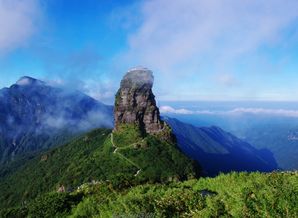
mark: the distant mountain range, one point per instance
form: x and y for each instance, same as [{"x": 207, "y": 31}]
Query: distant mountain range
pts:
[
  {"x": 280, "y": 137},
  {"x": 220, "y": 151},
  {"x": 279, "y": 134},
  {"x": 35, "y": 116}
]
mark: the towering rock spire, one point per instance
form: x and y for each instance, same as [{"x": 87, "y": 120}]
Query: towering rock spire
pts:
[{"x": 135, "y": 102}]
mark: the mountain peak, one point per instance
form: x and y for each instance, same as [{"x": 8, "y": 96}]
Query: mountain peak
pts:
[
  {"x": 27, "y": 81},
  {"x": 135, "y": 104}
]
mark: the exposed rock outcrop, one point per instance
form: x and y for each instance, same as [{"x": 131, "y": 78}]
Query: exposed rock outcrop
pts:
[{"x": 135, "y": 102}]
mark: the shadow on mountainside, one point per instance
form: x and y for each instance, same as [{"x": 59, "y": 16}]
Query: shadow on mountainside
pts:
[{"x": 219, "y": 151}]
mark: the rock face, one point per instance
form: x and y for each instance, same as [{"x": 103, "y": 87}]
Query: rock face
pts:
[{"x": 135, "y": 102}]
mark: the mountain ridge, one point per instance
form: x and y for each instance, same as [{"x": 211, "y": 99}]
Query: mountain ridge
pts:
[
  {"x": 35, "y": 115},
  {"x": 220, "y": 151}
]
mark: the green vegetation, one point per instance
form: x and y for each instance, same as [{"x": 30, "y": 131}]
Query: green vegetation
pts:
[
  {"x": 227, "y": 195},
  {"x": 124, "y": 174},
  {"x": 69, "y": 165},
  {"x": 166, "y": 134},
  {"x": 127, "y": 134},
  {"x": 92, "y": 157}
]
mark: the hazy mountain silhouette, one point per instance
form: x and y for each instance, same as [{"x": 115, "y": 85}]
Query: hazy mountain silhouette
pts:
[
  {"x": 34, "y": 116},
  {"x": 219, "y": 151}
]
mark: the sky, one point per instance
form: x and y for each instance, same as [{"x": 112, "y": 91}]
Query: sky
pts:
[{"x": 215, "y": 50}]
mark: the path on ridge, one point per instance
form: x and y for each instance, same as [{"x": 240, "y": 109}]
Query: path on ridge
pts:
[{"x": 116, "y": 151}]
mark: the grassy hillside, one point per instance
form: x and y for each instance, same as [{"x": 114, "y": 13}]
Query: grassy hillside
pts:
[
  {"x": 94, "y": 157},
  {"x": 230, "y": 195}
]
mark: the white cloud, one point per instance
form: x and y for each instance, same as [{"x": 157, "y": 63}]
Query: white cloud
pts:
[
  {"x": 262, "y": 111},
  {"x": 93, "y": 119},
  {"x": 183, "y": 33},
  {"x": 18, "y": 22},
  {"x": 236, "y": 111},
  {"x": 102, "y": 90},
  {"x": 168, "y": 109}
]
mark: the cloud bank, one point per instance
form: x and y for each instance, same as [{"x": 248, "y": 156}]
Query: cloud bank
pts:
[
  {"x": 19, "y": 21},
  {"x": 183, "y": 34},
  {"x": 236, "y": 111}
]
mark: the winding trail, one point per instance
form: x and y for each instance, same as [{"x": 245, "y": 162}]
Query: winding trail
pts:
[
  {"x": 122, "y": 156},
  {"x": 138, "y": 172}
]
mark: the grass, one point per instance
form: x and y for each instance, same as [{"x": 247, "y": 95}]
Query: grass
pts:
[{"x": 227, "y": 195}]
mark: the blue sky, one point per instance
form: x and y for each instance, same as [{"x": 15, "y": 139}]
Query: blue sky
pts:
[{"x": 197, "y": 49}]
